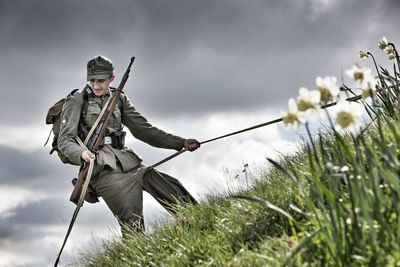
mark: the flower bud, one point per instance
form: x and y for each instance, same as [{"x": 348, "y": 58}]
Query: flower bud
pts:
[{"x": 363, "y": 54}]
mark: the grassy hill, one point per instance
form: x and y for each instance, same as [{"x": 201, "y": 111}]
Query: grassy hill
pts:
[{"x": 333, "y": 203}]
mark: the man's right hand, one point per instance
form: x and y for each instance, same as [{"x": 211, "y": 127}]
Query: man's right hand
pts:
[
  {"x": 191, "y": 144},
  {"x": 87, "y": 155}
]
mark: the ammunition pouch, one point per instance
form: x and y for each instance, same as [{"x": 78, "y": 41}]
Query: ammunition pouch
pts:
[{"x": 115, "y": 139}]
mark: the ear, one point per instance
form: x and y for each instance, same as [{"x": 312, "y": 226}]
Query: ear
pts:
[{"x": 112, "y": 77}]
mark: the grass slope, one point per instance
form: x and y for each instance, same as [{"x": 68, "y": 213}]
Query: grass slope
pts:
[{"x": 340, "y": 207}]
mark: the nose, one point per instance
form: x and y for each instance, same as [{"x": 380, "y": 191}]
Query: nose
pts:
[{"x": 96, "y": 85}]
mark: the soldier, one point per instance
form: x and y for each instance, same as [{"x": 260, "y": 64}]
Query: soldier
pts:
[{"x": 119, "y": 176}]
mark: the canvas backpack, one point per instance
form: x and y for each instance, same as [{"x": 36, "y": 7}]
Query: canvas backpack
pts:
[{"x": 54, "y": 117}]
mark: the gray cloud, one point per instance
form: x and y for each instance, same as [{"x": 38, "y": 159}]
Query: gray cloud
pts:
[
  {"x": 192, "y": 57},
  {"x": 35, "y": 170},
  {"x": 34, "y": 222}
]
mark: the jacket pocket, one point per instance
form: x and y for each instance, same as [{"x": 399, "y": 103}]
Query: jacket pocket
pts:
[
  {"x": 93, "y": 112},
  {"x": 115, "y": 121},
  {"x": 128, "y": 159}
]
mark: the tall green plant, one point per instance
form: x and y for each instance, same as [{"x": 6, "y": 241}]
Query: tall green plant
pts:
[{"x": 354, "y": 182}]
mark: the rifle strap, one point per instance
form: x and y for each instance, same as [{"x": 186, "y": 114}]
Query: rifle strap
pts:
[
  {"x": 350, "y": 99},
  {"x": 80, "y": 202},
  {"x": 96, "y": 122}
]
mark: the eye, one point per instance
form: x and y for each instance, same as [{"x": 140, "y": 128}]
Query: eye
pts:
[
  {"x": 101, "y": 80},
  {"x": 92, "y": 80}
]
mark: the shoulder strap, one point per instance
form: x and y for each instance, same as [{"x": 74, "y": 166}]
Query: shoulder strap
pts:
[
  {"x": 85, "y": 104},
  {"x": 83, "y": 127},
  {"x": 72, "y": 92}
]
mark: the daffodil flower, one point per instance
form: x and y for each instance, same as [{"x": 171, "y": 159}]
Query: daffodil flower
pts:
[
  {"x": 387, "y": 48},
  {"x": 308, "y": 100},
  {"x": 359, "y": 74},
  {"x": 368, "y": 87},
  {"x": 392, "y": 56},
  {"x": 292, "y": 117},
  {"x": 390, "y": 52},
  {"x": 363, "y": 54},
  {"x": 327, "y": 88},
  {"x": 348, "y": 116},
  {"x": 383, "y": 43}
]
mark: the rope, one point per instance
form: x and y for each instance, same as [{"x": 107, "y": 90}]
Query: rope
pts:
[{"x": 354, "y": 98}]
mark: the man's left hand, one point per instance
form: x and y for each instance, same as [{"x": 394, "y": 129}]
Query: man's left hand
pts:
[{"x": 191, "y": 144}]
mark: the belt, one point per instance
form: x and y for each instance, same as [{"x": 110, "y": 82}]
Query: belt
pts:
[{"x": 107, "y": 140}]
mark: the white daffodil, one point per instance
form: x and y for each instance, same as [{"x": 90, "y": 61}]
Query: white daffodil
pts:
[
  {"x": 292, "y": 117},
  {"x": 392, "y": 56},
  {"x": 383, "y": 43},
  {"x": 390, "y": 52},
  {"x": 387, "y": 48},
  {"x": 308, "y": 100},
  {"x": 348, "y": 116},
  {"x": 363, "y": 54},
  {"x": 368, "y": 87},
  {"x": 327, "y": 88},
  {"x": 359, "y": 74}
]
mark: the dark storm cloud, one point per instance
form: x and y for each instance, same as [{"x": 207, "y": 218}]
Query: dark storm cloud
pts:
[
  {"x": 24, "y": 224},
  {"x": 226, "y": 55},
  {"x": 43, "y": 220},
  {"x": 192, "y": 56},
  {"x": 35, "y": 170},
  {"x": 36, "y": 216},
  {"x": 48, "y": 24}
]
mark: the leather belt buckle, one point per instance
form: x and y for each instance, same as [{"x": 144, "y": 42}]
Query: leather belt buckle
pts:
[{"x": 107, "y": 140}]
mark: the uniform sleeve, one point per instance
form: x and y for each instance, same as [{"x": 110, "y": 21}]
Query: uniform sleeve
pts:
[
  {"x": 70, "y": 117},
  {"x": 144, "y": 131}
]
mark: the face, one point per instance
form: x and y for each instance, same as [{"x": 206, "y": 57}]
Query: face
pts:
[{"x": 100, "y": 86}]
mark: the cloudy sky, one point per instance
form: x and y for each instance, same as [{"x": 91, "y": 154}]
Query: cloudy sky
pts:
[{"x": 202, "y": 69}]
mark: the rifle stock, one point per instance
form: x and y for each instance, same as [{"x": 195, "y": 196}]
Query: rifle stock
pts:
[
  {"x": 79, "y": 184},
  {"x": 97, "y": 139}
]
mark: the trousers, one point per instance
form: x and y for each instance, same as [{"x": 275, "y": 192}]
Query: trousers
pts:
[{"x": 123, "y": 192}]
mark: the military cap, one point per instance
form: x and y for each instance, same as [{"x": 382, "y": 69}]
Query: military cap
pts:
[{"x": 99, "y": 67}]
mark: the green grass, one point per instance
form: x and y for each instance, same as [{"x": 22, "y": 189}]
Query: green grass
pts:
[
  {"x": 353, "y": 216},
  {"x": 335, "y": 202}
]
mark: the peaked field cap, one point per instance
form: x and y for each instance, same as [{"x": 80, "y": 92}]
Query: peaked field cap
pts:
[{"x": 99, "y": 67}]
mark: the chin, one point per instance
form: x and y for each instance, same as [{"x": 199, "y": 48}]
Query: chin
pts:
[{"x": 98, "y": 93}]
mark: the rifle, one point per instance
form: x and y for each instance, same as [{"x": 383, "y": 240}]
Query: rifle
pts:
[{"x": 96, "y": 139}]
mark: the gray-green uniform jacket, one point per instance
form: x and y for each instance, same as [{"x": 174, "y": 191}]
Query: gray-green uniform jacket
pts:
[{"x": 128, "y": 116}]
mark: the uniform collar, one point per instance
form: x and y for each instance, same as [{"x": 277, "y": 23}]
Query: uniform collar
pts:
[{"x": 89, "y": 92}]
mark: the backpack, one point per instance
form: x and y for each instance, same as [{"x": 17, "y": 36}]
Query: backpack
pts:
[{"x": 54, "y": 117}]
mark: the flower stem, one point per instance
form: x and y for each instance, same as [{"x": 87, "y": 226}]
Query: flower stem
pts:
[
  {"x": 396, "y": 54},
  {"x": 377, "y": 70},
  {"x": 312, "y": 144}
]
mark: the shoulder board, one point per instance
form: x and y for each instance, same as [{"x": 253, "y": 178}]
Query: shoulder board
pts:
[{"x": 72, "y": 93}]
